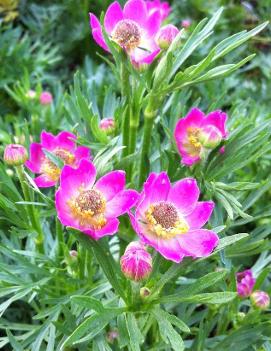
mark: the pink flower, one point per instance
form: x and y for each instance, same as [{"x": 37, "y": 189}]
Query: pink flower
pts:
[
  {"x": 260, "y": 299},
  {"x": 107, "y": 125},
  {"x": 15, "y": 155},
  {"x": 156, "y": 5},
  {"x": 222, "y": 150},
  {"x": 46, "y": 98},
  {"x": 92, "y": 209},
  {"x": 170, "y": 217},
  {"x": 136, "y": 263},
  {"x": 245, "y": 283},
  {"x": 132, "y": 28},
  {"x": 166, "y": 35},
  {"x": 196, "y": 134},
  {"x": 64, "y": 147}
]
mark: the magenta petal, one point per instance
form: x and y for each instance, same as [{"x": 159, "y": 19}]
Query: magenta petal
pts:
[
  {"x": 198, "y": 243},
  {"x": 136, "y": 10},
  {"x": 97, "y": 32},
  {"x": 200, "y": 214},
  {"x": 63, "y": 209},
  {"x": 217, "y": 119},
  {"x": 36, "y": 157},
  {"x": 194, "y": 118},
  {"x": 48, "y": 141},
  {"x": 159, "y": 189},
  {"x": 43, "y": 181},
  {"x": 111, "y": 184},
  {"x": 189, "y": 160},
  {"x": 153, "y": 23},
  {"x": 84, "y": 176},
  {"x": 112, "y": 16},
  {"x": 66, "y": 140},
  {"x": 111, "y": 227},
  {"x": 170, "y": 249},
  {"x": 121, "y": 203},
  {"x": 82, "y": 152},
  {"x": 184, "y": 194}
]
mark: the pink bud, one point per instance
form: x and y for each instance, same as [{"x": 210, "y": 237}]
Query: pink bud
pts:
[
  {"x": 112, "y": 335},
  {"x": 166, "y": 35},
  {"x": 73, "y": 253},
  {"x": 260, "y": 299},
  {"x": 222, "y": 150},
  {"x": 136, "y": 263},
  {"x": 186, "y": 23},
  {"x": 15, "y": 155},
  {"x": 46, "y": 98},
  {"x": 107, "y": 125},
  {"x": 245, "y": 283},
  {"x": 210, "y": 136}
]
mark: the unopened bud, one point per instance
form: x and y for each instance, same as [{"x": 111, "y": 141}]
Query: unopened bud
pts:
[
  {"x": 15, "y": 155},
  {"x": 210, "y": 137},
  {"x": 166, "y": 35},
  {"x": 46, "y": 98},
  {"x": 107, "y": 125},
  {"x": 136, "y": 263},
  {"x": 144, "y": 292},
  {"x": 260, "y": 299},
  {"x": 31, "y": 94}
]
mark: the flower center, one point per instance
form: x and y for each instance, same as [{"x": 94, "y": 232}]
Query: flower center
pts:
[
  {"x": 193, "y": 145},
  {"x": 50, "y": 169},
  {"x": 127, "y": 34},
  {"x": 164, "y": 221},
  {"x": 89, "y": 207}
]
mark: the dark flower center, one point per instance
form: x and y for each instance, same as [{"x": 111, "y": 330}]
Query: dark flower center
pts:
[
  {"x": 165, "y": 214},
  {"x": 90, "y": 201}
]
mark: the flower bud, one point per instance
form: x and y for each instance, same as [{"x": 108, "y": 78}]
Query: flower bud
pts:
[
  {"x": 222, "y": 150},
  {"x": 15, "y": 155},
  {"x": 210, "y": 137},
  {"x": 260, "y": 299},
  {"x": 136, "y": 263},
  {"x": 186, "y": 23},
  {"x": 144, "y": 292},
  {"x": 31, "y": 94},
  {"x": 112, "y": 335},
  {"x": 107, "y": 125},
  {"x": 46, "y": 98},
  {"x": 245, "y": 283},
  {"x": 73, "y": 254},
  {"x": 166, "y": 35}
]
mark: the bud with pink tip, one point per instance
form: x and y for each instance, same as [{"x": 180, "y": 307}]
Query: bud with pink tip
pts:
[
  {"x": 186, "y": 23},
  {"x": 260, "y": 299},
  {"x": 136, "y": 263},
  {"x": 15, "y": 155},
  {"x": 46, "y": 98},
  {"x": 245, "y": 283},
  {"x": 222, "y": 150},
  {"x": 210, "y": 137},
  {"x": 166, "y": 35},
  {"x": 107, "y": 125}
]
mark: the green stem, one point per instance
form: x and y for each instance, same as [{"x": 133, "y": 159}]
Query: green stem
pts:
[
  {"x": 125, "y": 93},
  {"x": 134, "y": 124},
  {"x": 34, "y": 220},
  {"x": 149, "y": 117},
  {"x": 60, "y": 237}
]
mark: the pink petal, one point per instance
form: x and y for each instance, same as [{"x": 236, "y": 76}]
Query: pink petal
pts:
[
  {"x": 82, "y": 152},
  {"x": 194, "y": 118},
  {"x": 71, "y": 179},
  {"x": 121, "y": 203},
  {"x": 112, "y": 16},
  {"x": 63, "y": 210},
  {"x": 184, "y": 194},
  {"x": 43, "y": 181},
  {"x": 97, "y": 32},
  {"x": 200, "y": 215},
  {"x": 48, "y": 140},
  {"x": 154, "y": 23},
  {"x": 159, "y": 189},
  {"x": 218, "y": 119},
  {"x": 66, "y": 140},
  {"x": 141, "y": 57},
  {"x": 198, "y": 243},
  {"x": 111, "y": 227},
  {"x": 189, "y": 160},
  {"x": 170, "y": 249},
  {"x": 111, "y": 184},
  {"x": 136, "y": 10},
  {"x": 36, "y": 158}
]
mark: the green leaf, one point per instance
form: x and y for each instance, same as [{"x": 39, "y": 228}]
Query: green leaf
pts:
[
  {"x": 208, "y": 298},
  {"x": 135, "y": 335},
  {"x": 88, "y": 302}
]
